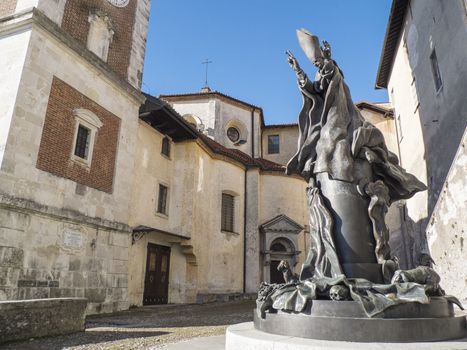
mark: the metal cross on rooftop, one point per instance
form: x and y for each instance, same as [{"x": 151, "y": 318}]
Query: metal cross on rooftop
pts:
[{"x": 206, "y": 62}]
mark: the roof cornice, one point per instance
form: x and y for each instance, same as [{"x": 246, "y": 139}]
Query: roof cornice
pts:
[{"x": 391, "y": 39}]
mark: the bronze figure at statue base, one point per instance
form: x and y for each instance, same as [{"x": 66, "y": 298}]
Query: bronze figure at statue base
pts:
[{"x": 350, "y": 287}]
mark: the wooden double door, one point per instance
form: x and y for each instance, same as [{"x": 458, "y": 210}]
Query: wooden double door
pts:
[{"x": 156, "y": 285}]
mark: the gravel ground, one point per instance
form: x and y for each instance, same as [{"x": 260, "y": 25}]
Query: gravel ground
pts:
[{"x": 147, "y": 327}]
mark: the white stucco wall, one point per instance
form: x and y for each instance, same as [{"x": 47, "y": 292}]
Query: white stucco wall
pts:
[
  {"x": 13, "y": 47},
  {"x": 218, "y": 115}
]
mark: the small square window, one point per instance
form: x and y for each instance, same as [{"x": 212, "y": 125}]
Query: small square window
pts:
[
  {"x": 166, "y": 146},
  {"x": 162, "y": 200},
  {"x": 82, "y": 142},
  {"x": 273, "y": 144}
]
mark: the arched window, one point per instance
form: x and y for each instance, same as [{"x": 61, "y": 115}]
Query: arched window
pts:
[
  {"x": 278, "y": 247},
  {"x": 100, "y": 34}
]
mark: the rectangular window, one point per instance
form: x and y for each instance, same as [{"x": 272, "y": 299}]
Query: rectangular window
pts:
[
  {"x": 227, "y": 215},
  {"x": 435, "y": 70},
  {"x": 166, "y": 146},
  {"x": 162, "y": 200},
  {"x": 273, "y": 144},
  {"x": 82, "y": 142}
]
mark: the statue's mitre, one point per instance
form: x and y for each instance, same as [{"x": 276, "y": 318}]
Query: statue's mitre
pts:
[{"x": 309, "y": 44}]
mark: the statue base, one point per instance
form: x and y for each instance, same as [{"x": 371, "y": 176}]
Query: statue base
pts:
[
  {"x": 346, "y": 321},
  {"x": 244, "y": 336}
]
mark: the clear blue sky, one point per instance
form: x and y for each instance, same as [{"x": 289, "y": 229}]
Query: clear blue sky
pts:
[{"x": 246, "y": 41}]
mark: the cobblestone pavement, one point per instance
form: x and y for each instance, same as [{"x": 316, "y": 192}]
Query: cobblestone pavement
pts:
[{"x": 149, "y": 327}]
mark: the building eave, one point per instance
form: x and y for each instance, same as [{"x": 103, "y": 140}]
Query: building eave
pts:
[{"x": 391, "y": 39}]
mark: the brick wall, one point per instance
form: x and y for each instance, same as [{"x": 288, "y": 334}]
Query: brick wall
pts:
[
  {"x": 58, "y": 136},
  {"x": 75, "y": 22},
  {"x": 7, "y": 7}
]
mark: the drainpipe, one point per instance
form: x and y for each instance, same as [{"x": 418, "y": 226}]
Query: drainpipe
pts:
[
  {"x": 252, "y": 133},
  {"x": 244, "y": 228}
]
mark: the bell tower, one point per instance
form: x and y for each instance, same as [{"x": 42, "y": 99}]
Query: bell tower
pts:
[{"x": 71, "y": 73}]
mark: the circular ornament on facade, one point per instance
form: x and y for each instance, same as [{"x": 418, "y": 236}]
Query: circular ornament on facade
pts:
[
  {"x": 119, "y": 3},
  {"x": 233, "y": 134}
]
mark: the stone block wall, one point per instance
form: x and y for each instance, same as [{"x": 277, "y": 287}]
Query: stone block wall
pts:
[
  {"x": 7, "y": 7},
  {"x": 45, "y": 257},
  {"x": 37, "y": 318}
]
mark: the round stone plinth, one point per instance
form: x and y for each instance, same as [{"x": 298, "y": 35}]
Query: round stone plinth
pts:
[
  {"x": 346, "y": 321},
  {"x": 244, "y": 336}
]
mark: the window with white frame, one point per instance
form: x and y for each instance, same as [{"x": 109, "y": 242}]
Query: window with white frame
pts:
[
  {"x": 100, "y": 34},
  {"x": 87, "y": 125}
]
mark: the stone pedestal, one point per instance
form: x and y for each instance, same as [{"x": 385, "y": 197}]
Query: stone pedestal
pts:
[
  {"x": 346, "y": 321},
  {"x": 244, "y": 336}
]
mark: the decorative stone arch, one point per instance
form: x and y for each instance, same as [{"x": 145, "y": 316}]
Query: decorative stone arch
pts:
[
  {"x": 240, "y": 127},
  {"x": 279, "y": 241},
  {"x": 195, "y": 121}
]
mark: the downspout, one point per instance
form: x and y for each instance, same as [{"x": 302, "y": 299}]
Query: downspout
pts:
[
  {"x": 402, "y": 206},
  {"x": 253, "y": 133},
  {"x": 244, "y": 228}
]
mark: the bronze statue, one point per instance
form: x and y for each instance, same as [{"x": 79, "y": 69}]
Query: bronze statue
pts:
[{"x": 352, "y": 180}]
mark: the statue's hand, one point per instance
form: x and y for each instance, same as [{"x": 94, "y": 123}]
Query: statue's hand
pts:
[{"x": 292, "y": 61}]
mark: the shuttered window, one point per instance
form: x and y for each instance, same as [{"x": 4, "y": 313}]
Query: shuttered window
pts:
[
  {"x": 162, "y": 200},
  {"x": 227, "y": 216}
]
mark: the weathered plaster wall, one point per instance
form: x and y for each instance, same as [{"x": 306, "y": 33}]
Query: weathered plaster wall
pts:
[
  {"x": 430, "y": 133},
  {"x": 447, "y": 228},
  {"x": 196, "y": 181},
  {"x": 281, "y": 194},
  {"x": 288, "y": 139},
  {"x": 177, "y": 270},
  {"x": 411, "y": 145},
  {"x": 219, "y": 254},
  {"x": 13, "y": 47}
]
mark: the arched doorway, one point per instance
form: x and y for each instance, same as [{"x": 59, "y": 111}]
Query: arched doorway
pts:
[{"x": 280, "y": 249}]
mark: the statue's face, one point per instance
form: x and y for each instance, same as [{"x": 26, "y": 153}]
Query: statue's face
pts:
[{"x": 318, "y": 62}]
